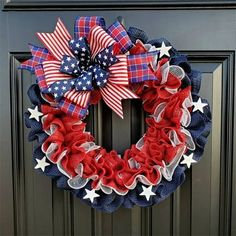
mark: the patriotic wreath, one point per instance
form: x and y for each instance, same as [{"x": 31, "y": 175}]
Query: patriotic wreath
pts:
[{"x": 112, "y": 64}]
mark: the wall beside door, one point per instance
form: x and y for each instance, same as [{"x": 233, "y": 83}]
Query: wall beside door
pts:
[{"x": 31, "y": 204}]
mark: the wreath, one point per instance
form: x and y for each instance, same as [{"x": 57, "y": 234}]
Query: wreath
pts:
[{"x": 112, "y": 64}]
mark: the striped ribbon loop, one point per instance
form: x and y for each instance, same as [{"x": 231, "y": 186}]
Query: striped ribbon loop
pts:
[
  {"x": 118, "y": 73},
  {"x": 99, "y": 39},
  {"x": 113, "y": 94},
  {"x": 57, "y": 42}
]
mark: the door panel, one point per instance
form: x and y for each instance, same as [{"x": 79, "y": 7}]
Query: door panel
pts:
[{"x": 31, "y": 204}]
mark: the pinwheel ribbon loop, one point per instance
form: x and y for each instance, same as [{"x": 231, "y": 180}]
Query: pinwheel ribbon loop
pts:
[
  {"x": 89, "y": 72},
  {"x": 94, "y": 76}
]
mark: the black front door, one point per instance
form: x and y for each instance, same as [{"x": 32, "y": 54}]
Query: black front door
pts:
[{"x": 31, "y": 204}]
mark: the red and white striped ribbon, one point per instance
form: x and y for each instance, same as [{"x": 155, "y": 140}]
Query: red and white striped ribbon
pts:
[
  {"x": 118, "y": 73},
  {"x": 57, "y": 42},
  {"x": 80, "y": 98},
  {"x": 99, "y": 39},
  {"x": 52, "y": 72},
  {"x": 112, "y": 95}
]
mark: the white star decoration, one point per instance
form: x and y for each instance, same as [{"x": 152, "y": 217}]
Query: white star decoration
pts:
[
  {"x": 147, "y": 192},
  {"x": 164, "y": 50},
  {"x": 41, "y": 164},
  {"x": 90, "y": 194},
  {"x": 199, "y": 105},
  {"x": 35, "y": 113},
  {"x": 188, "y": 160}
]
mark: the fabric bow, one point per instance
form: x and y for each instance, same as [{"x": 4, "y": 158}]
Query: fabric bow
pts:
[{"x": 95, "y": 59}]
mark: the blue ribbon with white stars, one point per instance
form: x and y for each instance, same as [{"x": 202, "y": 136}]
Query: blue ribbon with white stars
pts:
[{"x": 88, "y": 72}]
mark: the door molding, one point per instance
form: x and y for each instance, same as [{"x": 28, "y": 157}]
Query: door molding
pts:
[
  {"x": 55, "y": 5},
  {"x": 225, "y": 60}
]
